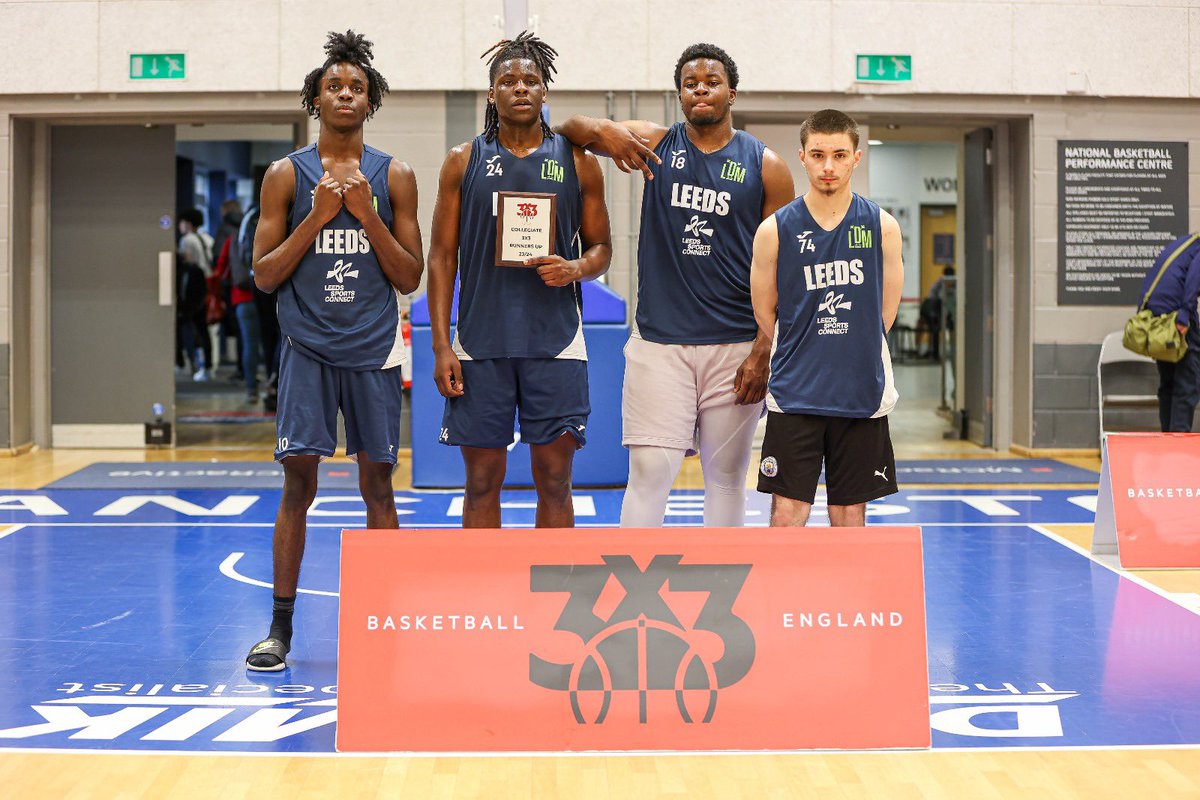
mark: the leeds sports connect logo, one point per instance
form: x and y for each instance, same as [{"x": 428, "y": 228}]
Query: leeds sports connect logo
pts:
[{"x": 666, "y": 630}]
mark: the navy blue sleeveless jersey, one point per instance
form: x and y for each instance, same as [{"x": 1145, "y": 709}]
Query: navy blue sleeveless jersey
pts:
[
  {"x": 338, "y": 307},
  {"x": 699, "y": 215},
  {"x": 508, "y": 312},
  {"x": 830, "y": 355}
]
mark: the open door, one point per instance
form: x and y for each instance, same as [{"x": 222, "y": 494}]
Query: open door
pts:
[
  {"x": 977, "y": 284},
  {"x": 112, "y": 299}
]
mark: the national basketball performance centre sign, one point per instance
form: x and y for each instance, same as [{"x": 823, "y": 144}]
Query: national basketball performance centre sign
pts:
[
  {"x": 1119, "y": 204},
  {"x": 710, "y": 639}
]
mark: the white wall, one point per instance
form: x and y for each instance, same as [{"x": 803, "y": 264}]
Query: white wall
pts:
[{"x": 1022, "y": 47}]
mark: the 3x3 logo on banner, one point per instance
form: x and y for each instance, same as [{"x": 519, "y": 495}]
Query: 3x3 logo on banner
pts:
[
  {"x": 631, "y": 640},
  {"x": 614, "y": 639}
]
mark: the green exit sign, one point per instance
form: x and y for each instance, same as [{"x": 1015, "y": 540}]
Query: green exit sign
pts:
[
  {"x": 884, "y": 69},
  {"x": 157, "y": 66}
]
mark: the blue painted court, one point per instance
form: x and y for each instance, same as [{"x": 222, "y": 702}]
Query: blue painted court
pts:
[{"x": 125, "y": 615}]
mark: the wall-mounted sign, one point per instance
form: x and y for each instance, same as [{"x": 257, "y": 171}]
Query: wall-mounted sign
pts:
[
  {"x": 883, "y": 69},
  {"x": 157, "y": 66},
  {"x": 1119, "y": 203}
]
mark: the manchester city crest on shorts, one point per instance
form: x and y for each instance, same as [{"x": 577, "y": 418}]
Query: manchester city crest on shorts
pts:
[{"x": 769, "y": 467}]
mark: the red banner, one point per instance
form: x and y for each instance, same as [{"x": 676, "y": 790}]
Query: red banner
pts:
[
  {"x": 1149, "y": 500},
  {"x": 698, "y": 639}
]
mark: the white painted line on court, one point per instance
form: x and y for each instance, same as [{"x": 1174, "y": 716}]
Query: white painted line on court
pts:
[
  {"x": 1121, "y": 573},
  {"x": 11, "y": 530},
  {"x": 1187, "y": 599},
  {"x": 228, "y": 570}
]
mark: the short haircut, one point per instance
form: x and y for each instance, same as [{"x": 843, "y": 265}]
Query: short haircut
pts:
[
  {"x": 345, "y": 48},
  {"x": 193, "y": 215},
  {"x": 708, "y": 51},
  {"x": 829, "y": 121}
]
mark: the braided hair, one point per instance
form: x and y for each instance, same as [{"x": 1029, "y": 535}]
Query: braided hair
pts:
[
  {"x": 345, "y": 48},
  {"x": 527, "y": 46}
]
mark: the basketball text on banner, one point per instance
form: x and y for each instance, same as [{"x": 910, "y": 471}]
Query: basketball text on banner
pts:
[
  {"x": 705, "y": 639},
  {"x": 1149, "y": 500}
]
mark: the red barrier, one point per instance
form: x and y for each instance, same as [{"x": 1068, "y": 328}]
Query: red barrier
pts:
[
  {"x": 406, "y": 370},
  {"x": 698, "y": 639},
  {"x": 1148, "y": 505}
]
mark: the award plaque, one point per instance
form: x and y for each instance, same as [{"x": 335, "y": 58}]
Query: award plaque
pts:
[{"x": 525, "y": 226}]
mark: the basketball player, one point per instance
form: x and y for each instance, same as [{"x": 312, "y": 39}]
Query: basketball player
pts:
[
  {"x": 696, "y": 362},
  {"x": 518, "y": 347},
  {"x": 827, "y": 276},
  {"x": 337, "y": 241}
]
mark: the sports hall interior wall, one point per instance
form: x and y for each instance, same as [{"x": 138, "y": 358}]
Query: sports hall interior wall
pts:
[{"x": 1047, "y": 358}]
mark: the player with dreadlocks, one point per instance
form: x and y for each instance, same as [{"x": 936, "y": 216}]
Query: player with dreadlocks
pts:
[
  {"x": 696, "y": 366},
  {"x": 519, "y": 338},
  {"x": 338, "y": 242}
]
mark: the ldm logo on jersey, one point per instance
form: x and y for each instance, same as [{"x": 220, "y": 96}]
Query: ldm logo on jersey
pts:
[
  {"x": 859, "y": 237},
  {"x": 553, "y": 171},
  {"x": 733, "y": 171}
]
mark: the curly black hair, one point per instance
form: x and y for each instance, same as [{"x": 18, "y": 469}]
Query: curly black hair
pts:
[
  {"x": 193, "y": 215},
  {"x": 345, "y": 48},
  {"x": 710, "y": 51},
  {"x": 526, "y": 45}
]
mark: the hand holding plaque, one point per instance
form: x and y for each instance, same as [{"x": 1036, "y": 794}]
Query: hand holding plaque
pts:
[{"x": 525, "y": 227}]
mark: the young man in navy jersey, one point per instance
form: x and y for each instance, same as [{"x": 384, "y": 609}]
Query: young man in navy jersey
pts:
[
  {"x": 337, "y": 242},
  {"x": 696, "y": 365},
  {"x": 826, "y": 278},
  {"x": 518, "y": 347}
]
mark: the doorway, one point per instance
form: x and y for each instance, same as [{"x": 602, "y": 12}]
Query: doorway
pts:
[
  {"x": 227, "y": 355},
  {"x": 916, "y": 181},
  {"x": 103, "y": 202}
]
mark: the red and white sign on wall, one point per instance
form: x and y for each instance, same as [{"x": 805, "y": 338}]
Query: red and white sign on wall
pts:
[
  {"x": 1148, "y": 507},
  {"x": 699, "y": 639}
]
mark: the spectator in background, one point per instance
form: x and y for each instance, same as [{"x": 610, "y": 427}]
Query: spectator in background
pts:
[
  {"x": 268, "y": 320},
  {"x": 227, "y": 230},
  {"x": 235, "y": 270},
  {"x": 1177, "y": 290},
  {"x": 194, "y": 255},
  {"x": 231, "y": 221},
  {"x": 931, "y": 310}
]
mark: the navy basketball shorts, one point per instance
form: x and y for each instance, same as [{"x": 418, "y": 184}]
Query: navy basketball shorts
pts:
[
  {"x": 548, "y": 395},
  {"x": 859, "y": 463},
  {"x": 312, "y": 393}
]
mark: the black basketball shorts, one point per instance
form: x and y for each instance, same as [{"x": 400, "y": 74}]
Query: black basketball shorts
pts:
[{"x": 857, "y": 453}]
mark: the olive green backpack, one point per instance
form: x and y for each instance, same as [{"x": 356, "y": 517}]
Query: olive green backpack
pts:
[{"x": 1155, "y": 335}]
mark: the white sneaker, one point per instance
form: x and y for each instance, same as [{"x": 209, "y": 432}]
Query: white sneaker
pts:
[{"x": 201, "y": 375}]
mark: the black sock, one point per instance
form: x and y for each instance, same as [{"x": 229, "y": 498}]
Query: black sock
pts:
[{"x": 281, "y": 619}]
